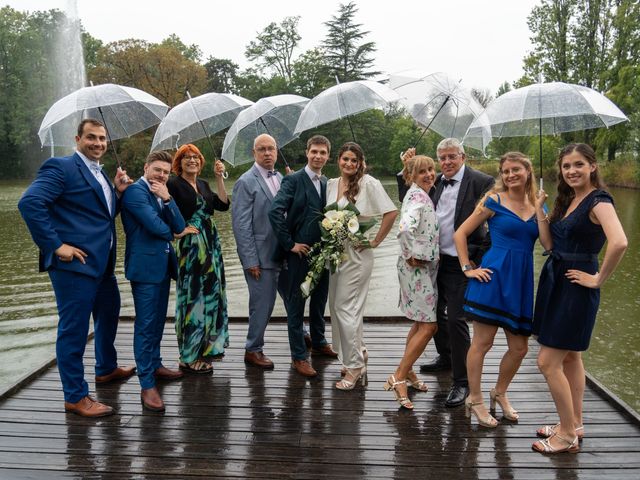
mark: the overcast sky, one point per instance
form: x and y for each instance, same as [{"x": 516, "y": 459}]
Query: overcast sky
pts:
[{"x": 482, "y": 43}]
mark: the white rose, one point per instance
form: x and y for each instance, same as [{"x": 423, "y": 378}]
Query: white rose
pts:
[{"x": 326, "y": 223}]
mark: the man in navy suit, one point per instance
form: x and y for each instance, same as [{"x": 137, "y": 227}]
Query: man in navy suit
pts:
[
  {"x": 70, "y": 209},
  {"x": 253, "y": 194},
  {"x": 295, "y": 217},
  {"x": 150, "y": 218},
  {"x": 457, "y": 190}
]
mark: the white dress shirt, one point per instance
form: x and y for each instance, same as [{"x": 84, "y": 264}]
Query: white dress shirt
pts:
[
  {"x": 446, "y": 212},
  {"x": 272, "y": 180},
  {"x": 102, "y": 180},
  {"x": 315, "y": 178}
]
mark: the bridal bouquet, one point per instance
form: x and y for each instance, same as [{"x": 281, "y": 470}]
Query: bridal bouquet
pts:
[{"x": 339, "y": 228}]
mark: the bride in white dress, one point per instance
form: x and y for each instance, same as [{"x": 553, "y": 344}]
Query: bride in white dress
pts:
[{"x": 349, "y": 285}]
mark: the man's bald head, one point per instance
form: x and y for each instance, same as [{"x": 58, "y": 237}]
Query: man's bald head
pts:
[{"x": 265, "y": 151}]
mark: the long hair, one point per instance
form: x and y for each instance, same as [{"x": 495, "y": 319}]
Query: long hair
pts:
[
  {"x": 353, "y": 187},
  {"x": 530, "y": 187},
  {"x": 176, "y": 166},
  {"x": 565, "y": 192}
]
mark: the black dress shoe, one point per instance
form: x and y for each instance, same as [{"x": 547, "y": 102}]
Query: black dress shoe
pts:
[
  {"x": 438, "y": 365},
  {"x": 457, "y": 396}
]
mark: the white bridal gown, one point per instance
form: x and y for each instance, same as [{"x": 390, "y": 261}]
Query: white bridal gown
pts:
[{"x": 349, "y": 285}]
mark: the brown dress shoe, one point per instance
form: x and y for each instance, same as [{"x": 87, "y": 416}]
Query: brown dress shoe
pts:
[
  {"x": 303, "y": 368},
  {"x": 258, "y": 359},
  {"x": 120, "y": 373},
  {"x": 324, "y": 350},
  {"x": 88, "y": 407},
  {"x": 164, "y": 373},
  {"x": 151, "y": 400},
  {"x": 307, "y": 341}
]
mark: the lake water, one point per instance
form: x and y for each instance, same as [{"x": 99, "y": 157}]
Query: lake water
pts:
[{"x": 28, "y": 312}]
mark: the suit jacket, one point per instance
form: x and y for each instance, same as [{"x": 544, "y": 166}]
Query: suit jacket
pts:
[
  {"x": 149, "y": 230},
  {"x": 473, "y": 186},
  {"x": 187, "y": 198},
  {"x": 296, "y": 212},
  {"x": 66, "y": 204},
  {"x": 403, "y": 188},
  {"x": 255, "y": 240}
]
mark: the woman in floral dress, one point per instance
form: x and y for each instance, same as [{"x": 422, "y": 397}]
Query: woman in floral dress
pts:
[
  {"x": 201, "y": 302},
  {"x": 417, "y": 269}
]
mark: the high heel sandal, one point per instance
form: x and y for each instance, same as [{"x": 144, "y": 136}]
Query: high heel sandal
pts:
[
  {"x": 547, "y": 431},
  {"x": 470, "y": 407},
  {"x": 507, "y": 410},
  {"x": 355, "y": 374},
  {"x": 414, "y": 382},
  {"x": 572, "y": 446},
  {"x": 392, "y": 384}
]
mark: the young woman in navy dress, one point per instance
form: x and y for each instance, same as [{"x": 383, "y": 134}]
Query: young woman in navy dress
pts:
[{"x": 583, "y": 218}]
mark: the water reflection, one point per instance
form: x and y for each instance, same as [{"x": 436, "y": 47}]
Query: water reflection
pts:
[{"x": 28, "y": 312}]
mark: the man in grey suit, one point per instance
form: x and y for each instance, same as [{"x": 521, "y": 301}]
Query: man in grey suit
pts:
[{"x": 256, "y": 243}]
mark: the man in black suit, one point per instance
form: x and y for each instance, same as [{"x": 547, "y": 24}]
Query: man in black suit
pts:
[{"x": 456, "y": 192}]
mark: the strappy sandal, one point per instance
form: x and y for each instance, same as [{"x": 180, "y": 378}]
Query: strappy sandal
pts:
[
  {"x": 547, "y": 431},
  {"x": 414, "y": 382},
  {"x": 365, "y": 354},
  {"x": 508, "y": 411},
  {"x": 352, "y": 377},
  {"x": 470, "y": 408},
  {"x": 571, "y": 446},
  {"x": 198, "y": 367},
  {"x": 392, "y": 384}
]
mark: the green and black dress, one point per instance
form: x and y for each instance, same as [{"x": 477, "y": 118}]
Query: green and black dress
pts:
[{"x": 201, "y": 302}]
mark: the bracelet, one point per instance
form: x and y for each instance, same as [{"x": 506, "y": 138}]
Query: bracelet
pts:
[{"x": 545, "y": 219}]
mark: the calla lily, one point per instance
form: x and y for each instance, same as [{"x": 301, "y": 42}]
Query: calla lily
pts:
[
  {"x": 332, "y": 215},
  {"x": 353, "y": 225},
  {"x": 305, "y": 287}
]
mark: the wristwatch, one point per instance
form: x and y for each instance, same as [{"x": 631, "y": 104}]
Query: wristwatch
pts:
[
  {"x": 467, "y": 267},
  {"x": 167, "y": 202}
]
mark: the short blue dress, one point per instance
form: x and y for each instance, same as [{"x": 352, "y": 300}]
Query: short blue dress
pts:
[
  {"x": 566, "y": 312},
  {"x": 507, "y": 300}
]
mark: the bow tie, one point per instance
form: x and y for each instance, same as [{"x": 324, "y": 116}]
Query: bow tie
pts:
[
  {"x": 271, "y": 173},
  {"x": 448, "y": 183},
  {"x": 95, "y": 167}
]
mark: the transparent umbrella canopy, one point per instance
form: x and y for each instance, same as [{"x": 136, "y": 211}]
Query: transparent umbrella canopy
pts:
[
  {"x": 197, "y": 118},
  {"x": 546, "y": 109},
  {"x": 440, "y": 103},
  {"x": 124, "y": 111},
  {"x": 277, "y": 116},
  {"x": 344, "y": 100}
]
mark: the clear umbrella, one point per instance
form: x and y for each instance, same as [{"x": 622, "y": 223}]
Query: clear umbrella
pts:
[
  {"x": 343, "y": 100},
  {"x": 275, "y": 115},
  {"x": 546, "y": 109},
  {"x": 124, "y": 111},
  {"x": 440, "y": 103},
  {"x": 197, "y": 118}
]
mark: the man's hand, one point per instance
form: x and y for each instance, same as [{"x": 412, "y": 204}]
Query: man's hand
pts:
[
  {"x": 65, "y": 253},
  {"x": 414, "y": 262},
  {"x": 189, "y": 230},
  {"x": 160, "y": 190},
  {"x": 301, "y": 249},
  {"x": 121, "y": 180},
  {"x": 255, "y": 272}
]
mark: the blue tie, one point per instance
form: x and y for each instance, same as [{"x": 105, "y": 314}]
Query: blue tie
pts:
[
  {"x": 271, "y": 173},
  {"x": 95, "y": 167}
]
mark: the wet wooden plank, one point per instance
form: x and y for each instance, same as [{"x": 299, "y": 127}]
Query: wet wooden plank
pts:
[{"x": 246, "y": 423}]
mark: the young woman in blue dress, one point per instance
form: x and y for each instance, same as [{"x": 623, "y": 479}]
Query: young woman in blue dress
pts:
[
  {"x": 583, "y": 218},
  {"x": 500, "y": 290}
]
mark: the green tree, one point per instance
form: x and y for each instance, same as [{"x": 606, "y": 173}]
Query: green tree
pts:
[
  {"x": 222, "y": 75},
  {"x": 346, "y": 55},
  {"x": 310, "y": 74},
  {"x": 273, "y": 48}
]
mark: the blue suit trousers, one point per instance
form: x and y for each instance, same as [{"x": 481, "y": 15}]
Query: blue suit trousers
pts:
[
  {"x": 79, "y": 296},
  {"x": 150, "y": 301}
]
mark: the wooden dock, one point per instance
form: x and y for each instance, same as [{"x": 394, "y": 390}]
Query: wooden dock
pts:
[{"x": 242, "y": 422}]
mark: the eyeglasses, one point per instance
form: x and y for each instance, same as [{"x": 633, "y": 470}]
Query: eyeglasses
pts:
[
  {"x": 450, "y": 156},
  {"x": 265, "y": 149},
  {"x": 191, "y": 157}
]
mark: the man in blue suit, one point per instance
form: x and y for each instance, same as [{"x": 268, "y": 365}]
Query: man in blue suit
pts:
[
  {"x": 295, "y": 217},
  {"x": 70, "y": 209},
  {"x": 150, "y": 218},
  {"x": 253, "y": 194}
]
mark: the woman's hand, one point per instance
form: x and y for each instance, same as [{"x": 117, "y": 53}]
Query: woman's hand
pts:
[
  {"x": 583, "y": 278},
  {"x": 407, "y": 155},
  {"x": 219, "y": 169},
  {"x": 480, "y": 274},
  {"x": 189, "y": 230},
  {"x": 414, "y": 262},
  {"x": 540, "y": 199}
]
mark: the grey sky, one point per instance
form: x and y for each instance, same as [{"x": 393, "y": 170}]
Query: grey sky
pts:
[{"x": 482, "y": 43}]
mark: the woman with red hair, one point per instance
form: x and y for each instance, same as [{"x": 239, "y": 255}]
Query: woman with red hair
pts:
[{"x": 201, "y": 301}]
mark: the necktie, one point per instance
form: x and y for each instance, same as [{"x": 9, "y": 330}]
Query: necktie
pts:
[
  {"x": 271, "y": 173},
  {"x": 448, "y": 183},
  {"x": 95, "y": 167}
]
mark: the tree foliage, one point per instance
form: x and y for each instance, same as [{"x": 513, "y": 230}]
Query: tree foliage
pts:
[{"x": 273, "y": 47}]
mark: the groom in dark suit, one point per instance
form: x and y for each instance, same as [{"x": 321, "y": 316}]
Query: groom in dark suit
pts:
[
  {"x": 70, "y": 209},
  {"x": 295, "y": 217},
  {"x": 456, "y": 192},
  {"x": 150, "y": 218}
]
